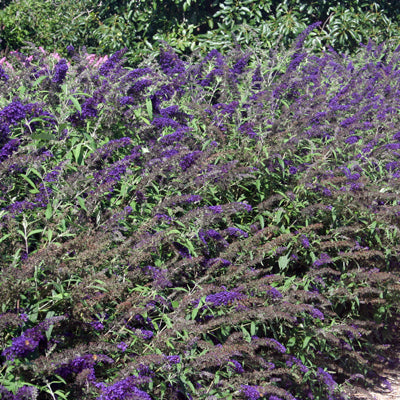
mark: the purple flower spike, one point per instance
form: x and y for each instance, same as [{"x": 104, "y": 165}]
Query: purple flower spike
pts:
[
  {"x": 3, "y": 75},
  {"x": 305, "y": 242},
  {"x": 251, "y": 392},
  {"x": 327, "y": 379},
  {"x": 26, "y": 393},
  {"x": 315, "y": 313},
  {"x": 237, "y": 367},
  {"x": 60, "y": 71},
  {"x": 324, "y": 259},
  {"x": 125, "y": 389},
  {"x": 173, "y": 359},
  {"x": 303, "y": 35},
  {"x": 215, "y": 209},
  {"x": 276, "y": 345},
  {"x": 224, "y": 298},
  {"x": 188, "y": 160},
  {"x": 70, "y": 50},
  {"x": 24, "y": 344},
  {"x": 170, "y": 63},
  {"x": 274, "y": 293}
]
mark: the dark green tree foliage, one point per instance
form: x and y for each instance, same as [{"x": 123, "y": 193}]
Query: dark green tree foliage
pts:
[
  {"x": 51, "y": 24},
  {"x": 190, "y": 24}
]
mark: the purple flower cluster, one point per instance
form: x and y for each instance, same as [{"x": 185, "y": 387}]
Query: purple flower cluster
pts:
[
  {"x": 215, "y": 209},
  {"x": 60, "y": 71},
  {"x": 225, "y": 297},
  {"x": 139, "y": 86},
  {"x": 232, "y": 231},
  {"x": 323, "y": 259},
  {"x": 212, "y": 234},
  {"x": 15, "y": 112},
  {"x": 110, "y": 147},
  {"x": 251, "y": 392},
  {"x": 183, "y": 250},
  {"x": 109, "y": 66},
  {"x": 28, "y": 342},
  {"x": 303, "y": 35},
  {"x": 295, "y": 361},
  {"x": 70, "y": 50},
  {"x": 162, "y": 94},
  {"x": 126, "y": 100},
  {"x": 350, "y": 176},
  {"x": 24, "y": 344},
  {"x": 189, "y": 159},
  {"x": 163, "y": 122},
  {"x": 305, "y": 242},
  {"x": 125, "y": 389},
  {"x": 170, "y": 63},
  {"x": 276, "y": 345},
  {"x": 240, "y": 65},
  {"x": 327, "y": 379},
  {"x": 9, "y": 148},
  {"x": 218, "y": 71},
  {"x": 159, "y": 276},
  {"x": 110, "y": 175},
  {"x": 52, "y": 176},
  {"x": 97, "y": 325},
  {"x": 173, "y": 359},
  {"x": 236, "y": 367},
  {"x": 144, "y": 334},
  {"x": 3, "y": 75},
  {"x": 274, "y": 293},
  {"x": 315, "y": 313},
  {"x": 247, "y": 128},
  {"x": 135, "y": 74},
  {"x": 85, "y": 362},
  {"x": 176, "y": 136},
  {"x": 352, "y": 139},
  {"x": 122, "y": 346},
  {"x": 23, "y": 393}
]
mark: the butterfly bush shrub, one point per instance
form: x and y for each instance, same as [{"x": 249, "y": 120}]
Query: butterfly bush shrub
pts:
[{"x": 209, "y": 227}]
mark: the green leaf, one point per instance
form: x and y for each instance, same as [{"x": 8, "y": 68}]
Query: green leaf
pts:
[
  {"x": 78, "y": 153},
  {"x": 34, "y": 232},
  {"x": 306, "y": 341},
  {"x": 76, "y": 103},
  {"x": 43, "y": 136},
  {"x": 252, "y": 328},
  {"x": 262, "y": 222},
  {"x": 188, "y": 383},
  {"x": 175, "y": 304},
  {"x": 5, "y": 237},
  {"x": 149, "y": 107},
  {"x": 246, "y": 335},
  {"x": 49, "y": 211},
  {"x": 291, "y": 342},
  {"x": 35, "y": 190},
  {"x": 168, "y": 323},
  {"x": 81, "y": 202},
  {"x": 196, "y": 310},
  {"x": 283, "y": 262},
  {"x": 172, "y": 231},
  {"x": 39, "y": 80}
]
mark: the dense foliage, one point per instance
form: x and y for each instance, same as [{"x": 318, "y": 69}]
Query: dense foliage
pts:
[
  {"x": 215, "y": 227},
  {"x": 110, "y": 25}
]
